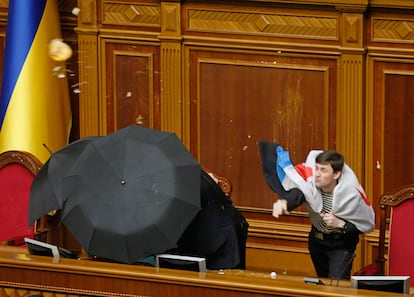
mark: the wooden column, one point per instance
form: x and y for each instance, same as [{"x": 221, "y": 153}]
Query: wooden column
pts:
[
  {"x": 171, "y": 97},
  {"x": 88, "y": 69},
  {"x": 350, "y": 105}
]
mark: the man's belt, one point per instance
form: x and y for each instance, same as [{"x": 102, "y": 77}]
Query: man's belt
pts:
[
  {"x": 319, "y": 235},
  {"x": 322, "y": 236}
]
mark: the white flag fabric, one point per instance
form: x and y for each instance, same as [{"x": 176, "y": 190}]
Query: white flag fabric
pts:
[{"x": 349, "y": 203}]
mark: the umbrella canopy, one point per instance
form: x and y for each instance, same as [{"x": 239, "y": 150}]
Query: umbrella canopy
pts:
[
  {"x": 127, "y": 195},
  {"x": 46, "y": 191}
]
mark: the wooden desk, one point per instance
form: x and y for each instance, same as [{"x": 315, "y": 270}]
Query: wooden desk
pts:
[{"x": 20, "y": 272}]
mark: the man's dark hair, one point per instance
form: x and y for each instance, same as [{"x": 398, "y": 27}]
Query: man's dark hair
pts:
[{"x": 331, "y": 157}]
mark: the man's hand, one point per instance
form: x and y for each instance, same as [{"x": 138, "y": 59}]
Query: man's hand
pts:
[
  {"x": 280, "y": 208},
  {"x": 332, "y": 221}
]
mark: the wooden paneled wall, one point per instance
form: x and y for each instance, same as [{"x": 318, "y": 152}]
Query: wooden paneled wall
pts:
[{"x": 309, "y": 74}]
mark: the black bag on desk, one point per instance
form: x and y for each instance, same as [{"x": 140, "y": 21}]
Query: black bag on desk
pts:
[{"x": 218, "y": 232}]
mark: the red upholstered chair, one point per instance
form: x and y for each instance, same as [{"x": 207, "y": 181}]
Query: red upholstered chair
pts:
[
  {"x": 17, "y": 171},
  {"x": 397, "y": 212}
]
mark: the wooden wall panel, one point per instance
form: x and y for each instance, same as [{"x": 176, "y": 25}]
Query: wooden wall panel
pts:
[
  {"x": 281, "y": 259},
  {"x": 390, "y": 70},
  {"x": 392, "y": 120},
  {"x": 280, "y": 247},
  {"x": 398, "y": 122},
  {"x": 131, "y": 73},
  {"x": 239, "y": 99}
]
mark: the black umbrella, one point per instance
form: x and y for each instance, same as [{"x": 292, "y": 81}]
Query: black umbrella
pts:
[
  {"x": 46, "y": 193},
  {"x": 130, "y": 194}
]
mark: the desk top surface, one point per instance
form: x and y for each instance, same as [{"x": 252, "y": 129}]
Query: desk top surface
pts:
[{"x": 13, "y": 258}]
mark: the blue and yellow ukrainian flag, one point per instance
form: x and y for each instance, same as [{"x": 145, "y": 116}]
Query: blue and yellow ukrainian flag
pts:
[{"x": 35, "y": 113}]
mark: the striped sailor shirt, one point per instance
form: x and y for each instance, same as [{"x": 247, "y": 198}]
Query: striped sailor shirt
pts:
[{"x": 316, "y": 218}]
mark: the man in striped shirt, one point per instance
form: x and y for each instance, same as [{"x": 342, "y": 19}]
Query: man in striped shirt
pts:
[
  {"x": 338, "y": 207},
  {"x": 332, "y": 240}
]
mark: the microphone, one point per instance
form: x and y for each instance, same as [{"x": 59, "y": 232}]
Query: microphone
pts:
[
  {"x": 344, "y": 264},
  {"x": 48, "y": 149}
]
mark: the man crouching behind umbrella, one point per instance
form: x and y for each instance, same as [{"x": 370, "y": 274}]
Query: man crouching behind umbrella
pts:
[{"x": 338, "y": 207}]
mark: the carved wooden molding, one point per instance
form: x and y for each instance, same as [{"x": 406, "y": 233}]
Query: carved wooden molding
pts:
[
  {"x": 399, "y": 196},
  {"x": 351, "y": 8},
  {"x": 171, "y": 19},
  {"x": 24, "y": 158},
  {"x": 279, "y": 230},
  {"x": 127, "y": 14},
  {"x": 11, "y": 289},
  {"x": 87, "y": 14},
  {"x": 401, "y": 4},
  {"x": 392, "y": 30},
  {"x": 353, "y": 29},
  {"x": 278, "y": 25}
]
